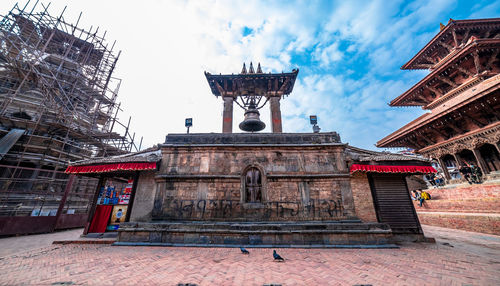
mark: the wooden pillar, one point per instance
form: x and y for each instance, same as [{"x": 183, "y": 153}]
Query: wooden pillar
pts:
[
  {"x": 93, "y": 206},
  {"x": 69, "y": 184},
  {"x": 275, "y": 115},
  {"x": 480, "y": 161},
  {"x": 227, "y": 115},
  {"x": 444, "y": 168}
]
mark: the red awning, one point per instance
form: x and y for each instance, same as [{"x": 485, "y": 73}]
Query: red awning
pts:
[
  {"x": 392, "y": 169},
  {"x": 110, "y": 168}
]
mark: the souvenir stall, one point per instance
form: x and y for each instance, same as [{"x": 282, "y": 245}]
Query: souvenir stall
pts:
[
  {"x": 114, "y": 195},
  {"x": 112, "y": 205}
]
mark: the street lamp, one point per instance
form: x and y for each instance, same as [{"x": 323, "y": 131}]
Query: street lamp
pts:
[
  {"x": 313, "y": 119},
  {"x": 188, "y": 123}
]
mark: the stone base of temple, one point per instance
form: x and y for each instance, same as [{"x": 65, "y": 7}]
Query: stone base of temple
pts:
[
  {"x": 347, "y": 233},
  {"x": 467, "y": 207}
]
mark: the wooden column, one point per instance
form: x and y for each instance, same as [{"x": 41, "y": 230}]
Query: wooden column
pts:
[
  {"x": 93, "y": 206},
  {"x": 458, "y": 159},
  {"x": 67, "y": 189},
  {"x": 227, "y": 115},
  {"x": 480, "y": 161},
  {"x": 276, "y": 114},
  {"x": 444, "y": 168}
]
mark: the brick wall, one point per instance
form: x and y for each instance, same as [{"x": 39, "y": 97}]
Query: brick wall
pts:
[
  {"x": 363, "y": 200},
  {"x": 298, "y": 183},
  {"x": 144, "y": 197},
  {"x": 466, "y": 207}
]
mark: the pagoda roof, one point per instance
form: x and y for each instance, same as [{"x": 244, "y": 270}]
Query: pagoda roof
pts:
[
  {"x": 419, "y": 61},
  {"x": 406, "y": 99},
  {"x": 273, "y": 84},
  {"x": 466, "y": 97}
]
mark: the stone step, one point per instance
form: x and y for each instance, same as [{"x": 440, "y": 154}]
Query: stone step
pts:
[
  {"x": 256, "y": 233},
  {"x": 483, "y": 205},
  {"x": 208, "y": 226},
  {"x": 465, "y": 192},
  {"x": 477, "y": 222}
]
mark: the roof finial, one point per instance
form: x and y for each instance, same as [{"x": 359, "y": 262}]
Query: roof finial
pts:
[
  {"x": 259, "y": 70},
  {"x": 441, "y": 26},
  {"x": 250, "y": 69},
  {"x": 244, "y": 69}
]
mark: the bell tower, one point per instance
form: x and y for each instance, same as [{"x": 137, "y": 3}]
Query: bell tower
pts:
[{"x": 251, "y": 90}]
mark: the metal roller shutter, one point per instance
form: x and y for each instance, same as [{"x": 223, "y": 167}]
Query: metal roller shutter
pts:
[{"x": 393, "y": 203}]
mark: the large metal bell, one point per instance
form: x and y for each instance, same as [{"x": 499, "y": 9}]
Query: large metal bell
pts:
[{"x": 252, "y": 121}]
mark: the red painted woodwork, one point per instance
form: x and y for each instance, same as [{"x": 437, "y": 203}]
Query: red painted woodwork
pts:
[
  {"x": 392, "y": 169},
  {"x": 110, "y": 168}
]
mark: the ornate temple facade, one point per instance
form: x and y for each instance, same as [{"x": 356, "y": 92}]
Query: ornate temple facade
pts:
[{"x": 461, "y": 93}]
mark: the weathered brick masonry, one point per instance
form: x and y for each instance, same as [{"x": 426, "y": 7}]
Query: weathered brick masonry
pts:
[
  {"x": 299, "y": 182},
  {"x": 472, "y": 208}
]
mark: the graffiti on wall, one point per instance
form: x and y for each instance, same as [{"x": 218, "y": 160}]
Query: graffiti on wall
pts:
[{"x": 226, "y": 209}]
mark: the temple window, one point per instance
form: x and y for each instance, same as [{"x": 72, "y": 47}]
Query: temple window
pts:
[{"x": 253, "y": 185}]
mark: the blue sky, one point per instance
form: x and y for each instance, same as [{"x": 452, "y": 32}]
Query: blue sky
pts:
[{"x": 349, "y": 54}]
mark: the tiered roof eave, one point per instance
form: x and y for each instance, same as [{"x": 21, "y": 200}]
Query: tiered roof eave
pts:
[{"x": 415, "y": 62}]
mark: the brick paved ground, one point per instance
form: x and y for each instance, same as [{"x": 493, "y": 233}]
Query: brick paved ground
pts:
[
  {"x": 473, "y": 259},
  {"x": 16, "y": 244}
]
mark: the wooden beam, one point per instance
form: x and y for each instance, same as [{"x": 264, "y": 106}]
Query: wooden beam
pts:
[
  {"x": 446, "y": 46},
  {"x": 452, "y": 124},
  {"x": 433, "y": 61},
  {"x": 465, "y": 38},
  {"x": 284, "y": 85},
  {"x": 465, "y": 71},
  {"x": 473, "y": 120},
  {"x": 477, "y": 63},
  {"x": 440, "y": 133},
  {"x": 415, "y": 143},
  {"x": 220, "y": 89},
  {"x": 456, "y": 126},
  {"x": 491, "y": 60},
  {"x": 426, "y": 139},
  {"x": 447, "y": 80},
  {"x": 490, "y": 110},
  {"x": 455, "y": 41},
  {"x": 435, "y": 90}
]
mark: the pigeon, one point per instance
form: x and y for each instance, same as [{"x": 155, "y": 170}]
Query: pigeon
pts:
[
  {"x": 244, "y": 251},
  {"x": 277, "y": 257}
]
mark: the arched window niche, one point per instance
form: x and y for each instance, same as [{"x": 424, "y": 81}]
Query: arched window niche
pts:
[{"x": 253, "y": 186}]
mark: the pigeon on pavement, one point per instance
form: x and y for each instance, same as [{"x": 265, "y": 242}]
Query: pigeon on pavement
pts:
[
  {"x": 277, "y": 257},
  {"x": 244, "y": 251}
]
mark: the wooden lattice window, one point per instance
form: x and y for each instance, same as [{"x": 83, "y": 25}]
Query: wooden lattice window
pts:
[{"x": 253, "y": 186}]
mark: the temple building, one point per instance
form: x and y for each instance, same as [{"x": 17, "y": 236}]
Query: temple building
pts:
[
  {"x": 257, "y": 189},
  {"x": 461, "y": 93},
  {"x": 58, "y": 103}
]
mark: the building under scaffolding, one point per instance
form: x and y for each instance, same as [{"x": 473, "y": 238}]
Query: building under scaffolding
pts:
[{"x": 57, "y": 104}]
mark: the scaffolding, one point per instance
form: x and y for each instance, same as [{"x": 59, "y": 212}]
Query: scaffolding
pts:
[{"x": 58, "y": 103}]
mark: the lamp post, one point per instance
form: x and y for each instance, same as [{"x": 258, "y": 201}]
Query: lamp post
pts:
[
  {"x": 188, "y": 123},
  {"x": 313, "y": 119}
]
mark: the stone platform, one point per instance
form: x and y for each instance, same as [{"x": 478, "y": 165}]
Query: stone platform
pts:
[
  {"x": 466, "y": 207},
  {"x": 347, "y": 233}
]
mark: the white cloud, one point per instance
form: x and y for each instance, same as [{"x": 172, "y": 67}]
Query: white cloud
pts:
[{"x": 353, "y": 47}]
